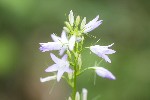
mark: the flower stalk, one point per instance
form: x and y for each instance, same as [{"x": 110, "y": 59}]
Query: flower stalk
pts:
[{"x": 70, "y": 46}]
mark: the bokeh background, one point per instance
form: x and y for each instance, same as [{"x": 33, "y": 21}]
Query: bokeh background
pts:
[{"x": 26, "y": 23}]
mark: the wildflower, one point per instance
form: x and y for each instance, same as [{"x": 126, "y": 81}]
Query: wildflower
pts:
[
  {"x": 102, "y": 51},
  {"x": 61, "y": 65},
  {"x": 60, "y": 43},
  {"x": 49, "y": 78},
  {"x": 100, "y": 71},
  {"x": 91, "y": 25}
]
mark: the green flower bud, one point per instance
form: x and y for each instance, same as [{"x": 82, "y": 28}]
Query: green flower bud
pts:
[
  {"x": 77, "y": 20},
  {"x": 70, "y": 76},
  {"x": 66, "y": 29},
  {"x": 83, "y": 23},
  {"x": 79, "y": 61},
  {"x": 77, "y": 96},
  {"x": 69, "y": 54},
  {"x": 68, "y": 26}
]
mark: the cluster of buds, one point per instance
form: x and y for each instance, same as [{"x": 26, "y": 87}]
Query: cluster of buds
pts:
[{"x": 70, "y": 46}]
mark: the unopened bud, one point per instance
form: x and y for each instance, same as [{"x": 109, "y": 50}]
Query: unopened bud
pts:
[
  {"x": 66, "y": 29},
  {"x": 77, "y": 20},
  {"x": 68, "y": 25},
  {"x": 77, "y": 96}
]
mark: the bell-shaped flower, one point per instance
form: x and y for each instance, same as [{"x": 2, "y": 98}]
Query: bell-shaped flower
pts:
[
  {"x": 102, "y": 51},
  {"x": 91, "y": 25},
  {"x": 60, "y": 43},
  {"x": 61, "y": 66},
  {"x": 100, "y": 71}
]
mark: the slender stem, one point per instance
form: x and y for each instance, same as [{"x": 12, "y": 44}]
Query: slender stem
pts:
[
  {"x": 75, "y": 71},
  {"x": 75, "y": 81}
]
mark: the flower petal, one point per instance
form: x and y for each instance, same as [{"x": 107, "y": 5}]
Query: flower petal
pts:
[
  {"x": 62, "y": 51},
  {"x": 59, "y": 74},
  {"x": 55, "y": 38},
  {"x": 54, "y": 58},
  {"x": 64, "y": 37},
  {"x": 50, "y": 46},
  {"x": 64, "y": 57},
  {"x": 49, "y": 78},
  {"x": 72, "y": 42},
  {"x": 104, "y": 73},
  {"x": 102, "y": 51},
  {"x": 89, "y": 29},
  {"x": 52, "y": 68},
  {"x": 92, "y": 22}
]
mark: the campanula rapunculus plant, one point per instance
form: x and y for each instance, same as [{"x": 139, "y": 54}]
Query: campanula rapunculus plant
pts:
[{"x": 70, "y": 46}]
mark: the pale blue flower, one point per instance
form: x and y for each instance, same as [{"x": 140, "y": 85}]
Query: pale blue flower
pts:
[
  {"x": 60, "y": 43},
  {"x": 100, "y": 71},
  {"x": 102, "y": 51},
  {"x": 91, "y": 25},
  {"x": 61, "y": 66}
]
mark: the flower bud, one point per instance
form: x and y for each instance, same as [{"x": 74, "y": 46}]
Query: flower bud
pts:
[
  {"x": 77, "y": 96},
  {"x": 79, "y": 61},
  {"x": 66, "y": 30},
  {"x": 83, "y": 23},
  {"x": 77, "y": 20},
  {"x": 68, "y": 26}
]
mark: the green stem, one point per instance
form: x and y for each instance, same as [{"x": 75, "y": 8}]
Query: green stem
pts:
[
  {"x": 75, "y": 81},
  {"x": 75, "y": 71}
]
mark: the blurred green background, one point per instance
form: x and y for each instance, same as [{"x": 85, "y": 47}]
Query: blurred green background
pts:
[{"x": 26, "y": 23}]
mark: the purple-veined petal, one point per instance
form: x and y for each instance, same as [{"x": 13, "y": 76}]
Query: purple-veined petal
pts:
[
  {"x": 72, "y": 42},
  {"x": 104, "y": 73},
  {"x": 50, "y": 46},
  {"x": 52, "y": 68}
]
